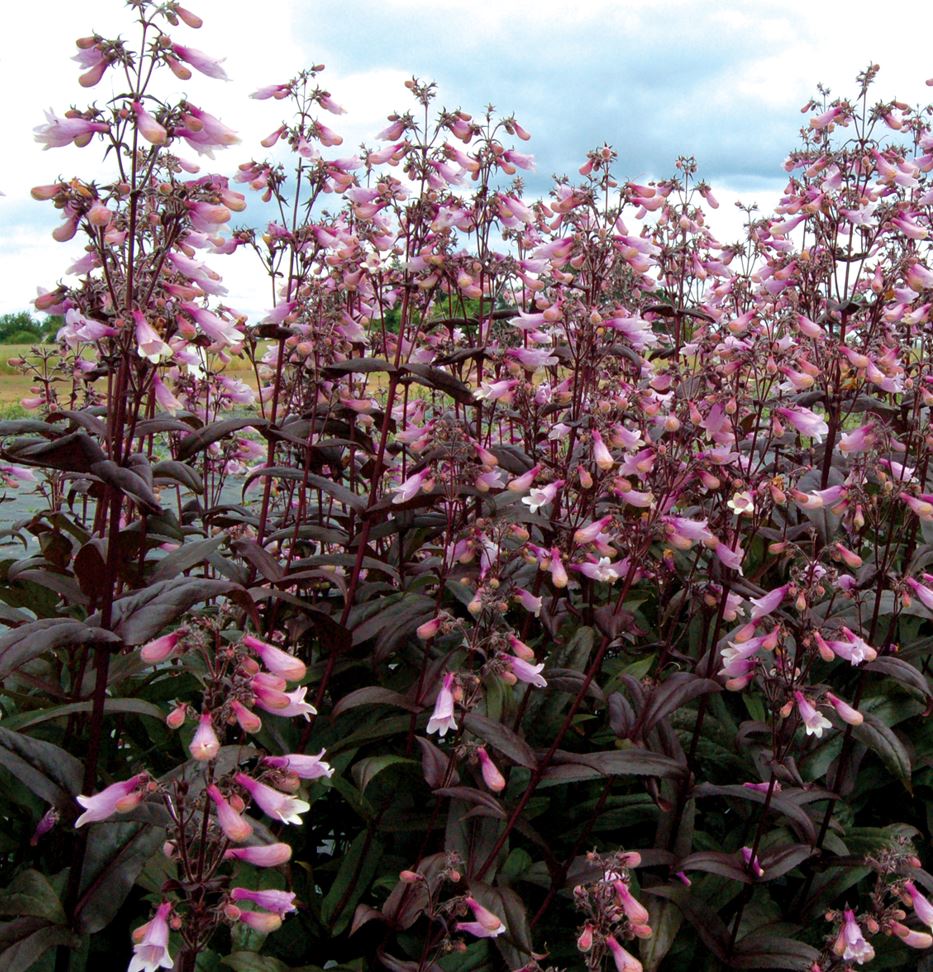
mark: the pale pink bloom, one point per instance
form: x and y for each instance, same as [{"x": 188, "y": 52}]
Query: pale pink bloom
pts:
[
  {"x": 845, "y": 711},
  {"x": 281, "y": 806},
  {"x": 603, "y": 570},
  {"x": 858, "y": 440},
  {"x": 496, "y": 391},
  {"x": 533, "y": 358},
  {"x": 234, "y": 826},
  {"x": 261, "y": 855},
  {"x": 443, "y": 718},
  {"x": 524, "y": 672},
  {"x": 528, "y": 601},
  {"x": 731, "y": 558},
  {"x": 491, "y": 775},
  {"x": 813, "y": 721},
  {"x": 486, "y": 925},
  {"x": 809, "y": 328},
  {"x": 925, "y": 594},
  {"x": 523, "y": 482},
  {"x": 854, "y": 649},
  {"x": 203, "y": 132},
  {"x": 767, "y": 603},
  {"x": 263, "y": 922},
  {"x": 919, "y": 278},
  {"x": 624, "y": 961},
  {"x": 306, "y": 767},
  {"x": 148, "y": 127},
  {"x": 63, "y": 131},
  {"x": 277, "y": 91},
  {"x": 204, "y": 744},
  {"x": 850, "y": 943},
  {"x": 636, "y": 498},
  {"x": 220, "y": 331},
  {"x": 752, "y": 862},
  {"x": 911, "y": 938},
  {"x": 297, "y": 705},
  {"x": 541, "y": 496},
  {"x": 150, "y": 949},
  {"x": 590, "y": 532},
  {"x": 921, "y": 505},
  {"x": 280, "y": 902},
  {"x": 556, "y": 566},
  {"x": 601, "y": 454},
  {"x": 162, "y": 648},
  {"x": 923, "y": 909},
  {"x": 634, "y": 910},
  {"x": 278, "y": 662},
  {"x": 246, "y": 718},
  {"x": 148, "y": 343},
  {"x": 116, "y": 798},
  {"x": 164, "y": 396},
  {"x": 410, "y": 488},
  {"x": 804, "y": 421},
  {"x": 200, "y": 61}
]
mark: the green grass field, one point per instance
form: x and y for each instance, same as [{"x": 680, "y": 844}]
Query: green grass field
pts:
[{"x": 15, "y": 386}]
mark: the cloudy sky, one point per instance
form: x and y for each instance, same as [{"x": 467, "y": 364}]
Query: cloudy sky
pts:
[{"x": 723, "y": 81}]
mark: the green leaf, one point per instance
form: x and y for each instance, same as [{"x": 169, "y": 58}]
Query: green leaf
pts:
[
  {"x": 116, "y": 853},
  {"x": 28, "y": 641},
  {"x": 883, "y": 741},
  {"x": 194, "y": 443},
  {"x": 32, "y": 894},
  {"x": 26, "y": 720},
  {"x": 502, "y": 738},
  {"x": 357, "y": 869},
  {"x": 50, "y": 772},
  {"x": 366, "y": 770},
  {"x": 22, "y": 954}
]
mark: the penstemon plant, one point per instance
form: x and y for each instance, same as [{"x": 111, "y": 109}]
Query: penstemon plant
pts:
[{"x": 575, "y": 562}]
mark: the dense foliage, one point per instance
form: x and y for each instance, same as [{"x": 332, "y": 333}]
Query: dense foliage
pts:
[{"x": 561, "y": 601}]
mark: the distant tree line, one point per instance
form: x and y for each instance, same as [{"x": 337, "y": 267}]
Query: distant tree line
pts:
[{"x": 23, "y": 328}]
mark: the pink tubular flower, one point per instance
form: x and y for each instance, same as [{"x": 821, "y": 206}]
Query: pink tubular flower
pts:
[
  {"x": 261, "y": 921},
  {"x": 278, "y": 662},
  {"x": 804, "y": 421},
  {"x": 486, "y": 925},
  {"x": 261, "y": 855},
  {"x": 150, "y": 948},
  {"x": 858, "y": 440},
  {"x": 624, "y": 961},
  {"x": 522, "y": 483},
  {"x": 921, "y": 905},
  {"x": 921, "y": 505},
  {"x": 164, "y": 397},
  {"x": 116, "y": 798},
  {"x": 200, "y": 62},
  {"x": 63, "y": 131},
  {"x": 280, "y": 902},
  {"x": 850, "y": 944},
  {"x": 923, "y": 592},
  {"x": 247, "y": 720},
  {"x": 634, "y": 910},
  {"x": 845, "y": 711},
  {"x": 161, "y": 648},
  {"x": 148, "y": 343},
  {"x": 752, "y": 862},
  {"x": 281, "y": 806},
  {"x": 491, "y": 775},
  {"x": 911, "y": 938},
  {"x": 768, "y": 603},
  {"x": 234, "y": 826},
  {"x": 443, "y": 718},
  {"x": 541, "y": 497},
  {"x": 813, "y": 721},
  {"x": 306, "y": 767},
  {"x": 409, "y": 489},
  {"x": 148, "y": 127},
  {"x": 204, "y": 744},
  {"x": 531, "y": 674},
  {"x": 601, "y": 454},
  {"x": 296, "y": 705}
]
